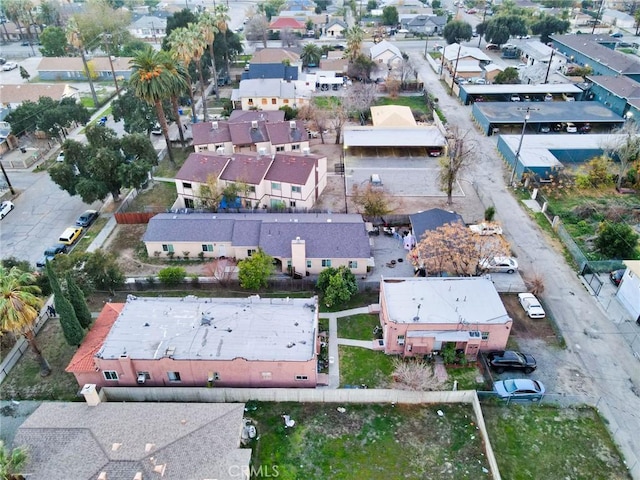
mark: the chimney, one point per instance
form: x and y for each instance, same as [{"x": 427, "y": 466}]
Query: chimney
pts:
[
  {"x": 91, "y": 395},
  {"x": 298, "y": 255}
]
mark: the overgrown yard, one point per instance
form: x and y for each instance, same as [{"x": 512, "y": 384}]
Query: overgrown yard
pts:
[
  {"x": 24, "y": 381},
  {"x": 367, "y": 442},
  {"x": 360, "y": 366},
  {"x": 553, "y": 443},
  {"x": 358, "y": 327}
]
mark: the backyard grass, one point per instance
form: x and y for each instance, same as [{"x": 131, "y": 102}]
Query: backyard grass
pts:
[
  {"x": 554, "y": 443},
  {"x": 358, "y": 327},
  {"x": 366, "y": 442},
  {"x": 360, "y": 299},
  {"x": 361, "y": 366},
  {"x": 24, "y": 381},
  {"x": 466, "y": 377},
  {"x": 326, "y": 103},
  {"x": 416, "y": 103},
  {"x": 160, "y": 196},
  {"x": 166, "y": 169}
]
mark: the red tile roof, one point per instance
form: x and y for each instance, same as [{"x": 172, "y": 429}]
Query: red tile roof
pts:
[
  {"x": 292, "y": 168},
  {"x": 83, "y": 361},
  {"x": 198, "y": 166},
  {"x": 249, "y": 169},
  {"x": 286, "y": 22}
]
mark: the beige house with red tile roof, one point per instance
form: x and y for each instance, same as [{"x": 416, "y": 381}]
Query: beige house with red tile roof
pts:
[
  {"x": 286, "y": 23},
  {"x": 71, "y": 68},
  {"x": 14, "y": 95},
  {"x": 283, "y": 179}
]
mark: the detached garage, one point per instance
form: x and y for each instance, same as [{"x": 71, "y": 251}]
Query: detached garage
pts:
[{"x": 629, "y": 289}]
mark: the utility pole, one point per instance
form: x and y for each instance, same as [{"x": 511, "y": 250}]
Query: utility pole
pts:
[
  {"x": 4, "y": 173},
  {"x": 597, "y": 17},
  {"x": 527, "y": 116},
  {"x": 546, "y": 77},
  {"x": 455, "y": 69}
]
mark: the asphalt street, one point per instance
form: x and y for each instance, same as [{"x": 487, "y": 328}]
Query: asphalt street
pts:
[{"x": 609, "y": 373}]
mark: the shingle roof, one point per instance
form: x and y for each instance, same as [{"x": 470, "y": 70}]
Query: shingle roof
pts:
[
  {"x": 82, "y": 360},
  {"x": 428, "y": 220},
  {"x": 249, "y": 169},
  {"x": 204, "y": 133},
  {"x": 589, "y": 46},
  {"x": 275, "y": 55},
  {"x": 281, "y": 132},
  {"x": 74, "y": 64},
  {"x": 326, "y": 235},
  {"x": 245, "y": 134},
  {"x": 239, "y": 116},
  {"x": 379, "y": 48},
  {"x": 271, "y": 70},
  {"x": 291, "y": 168},
  {"x": 619, "y": 85},
  {"x": 266, "y": 87},
  {"x": 31, "y": 91},
  {"x": 150, "y": 21},
  {"x": 198, "y": 166},
  {"x": 76, "y": 441}
]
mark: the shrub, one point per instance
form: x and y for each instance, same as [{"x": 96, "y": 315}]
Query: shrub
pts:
[
  {"x": 617, "y": 240},
  {"x": 172, "y": 275},
  {"x": 489, "y": 213}
]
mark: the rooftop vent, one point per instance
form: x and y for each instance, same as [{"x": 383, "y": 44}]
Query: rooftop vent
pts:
[
  {"x": 306, "y": 150},
  {"x": 206, "y": 319},
  {"x": 220, "y": 150},
  {"x": 254, "y": 124},
  {"x": 262, "y": 151},
  {"x": 292, "y": 124},
  {"x": 291, "y": 345},
  {"x": 214, "y": 125}
]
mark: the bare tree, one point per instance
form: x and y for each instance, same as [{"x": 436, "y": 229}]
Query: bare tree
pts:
[
  {"x": 404, "y": 71},
  {"x": 221, "y": 270},
  {"x": 372, "y": 202},
  {"x": 456, "y": 160},
  {"x": 359, "y": 99},
  {"x": 257, "y": 29},
  {"x": 210, "y": 193},
  {"x": 453, "y": 248},
  {"x": 623, "y": 145},
  {"x": 418, "y": 376},
  {"x": 317, "y": 118},
  {"x": 288, "y": 38}
]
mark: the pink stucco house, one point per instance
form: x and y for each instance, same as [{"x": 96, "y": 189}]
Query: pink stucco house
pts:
[
  {"x": 419, "y": 315},
  {"x": 195, "y": 342}
]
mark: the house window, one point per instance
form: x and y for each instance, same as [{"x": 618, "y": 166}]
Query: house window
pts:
[
  {"x": 264, "y": 101},
  {"x": 167, "y": 247},
  {"x": 296, "y": 189},
  {"x": 353, "y": 264},
  {"x": 326, "y": 262},
  {"x": 275, "y": 186},
  {"x": 485, "y": 335},
  {"x": 285, "y": 101},
  {"x": 173, "y": 376},
  {"x": 280, "y": 149},
  {"x": 207, "y": 247},
  {"x": 302, "y": 377},
  {"x": 308, "y": 263},
  {"x": 250, "y": 101},
  {"x": 220, "y": 145},
  {"x": 146, "y": 375},
  {"x": 216, "y": 376},
  {"x": 186, "y": 185},
  {"x": 251, "y": 189},
  {"x": 289, "y": 264},
  {"x": 189, "y": 203},
  {"x": 266, "y": 375},
  {"x": 110, "y": 375},
  {"x": 251, "y": 251},
  {"x": 400, "y": 339},
  {"x": 274, "y": 101},
  {"x": 292, "y": 203},
  {"x": 295, "y": 146}
]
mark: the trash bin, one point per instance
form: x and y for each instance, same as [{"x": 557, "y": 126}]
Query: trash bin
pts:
[
  {"x": 23, "y": 150},
  {"x": 180, "y": 111}
]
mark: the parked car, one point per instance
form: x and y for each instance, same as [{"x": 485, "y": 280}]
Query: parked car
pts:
[
  {"x": 499, "y": 264},
  {"x": 157, "y": 130},
  {"x": 548, "y": 97},
  {"x": 70, "y": 235},
  {"x": 571, "y": 127},
  {"x": 616, "y": 276},
  {"x": 511, "y": 360},
  {"x": 568, "y": 98},
  {"x": 9, "y": 66},
  {"x": 87, "y": 218},
  {"x": 471, "y": 11},
  {"x": 492, "y": 46},
  {"x": 6, "y": 207},
  {"x": 434, "y": 152},
  {"x": 515, "y": 97},
  {"x": 50, "y": 253},
  {"x": 60, "y": 157},
  {"x": 519, "y": 389},
  {"x": 531, "y": 305},
  {"x": 545, "y": 128},
  {"x": 584, "y": 128},
  {"x": 557, "y": 127},
  {"x": 617, "y": 35},
  {"x": 486, "y": 229}
]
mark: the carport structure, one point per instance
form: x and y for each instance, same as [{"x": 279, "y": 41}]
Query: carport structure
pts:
[
  {"x": 392, "y": 141},
  {"x": 501, "y": 93},
  {"x": 509, "y": 117}
]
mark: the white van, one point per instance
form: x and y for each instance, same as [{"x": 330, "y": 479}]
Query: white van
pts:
[{"x": 375, "y": 180}]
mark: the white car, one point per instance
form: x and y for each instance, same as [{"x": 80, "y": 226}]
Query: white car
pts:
[
  {"x": 9, "y": 66},
  {"x": 571, "y": 128},
  {"x": 499, "y": 264},
  {"x": 60, "y": 157},
  {"x": 486, "y": 229},
  {"x": 531, "y": 305},
  {"x": 5, "y": 207}
]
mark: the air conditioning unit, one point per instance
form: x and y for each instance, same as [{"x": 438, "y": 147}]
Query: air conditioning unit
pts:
[
  {"x": 142, "y": 378},
  {"x": 262, "y": 151},
  {"x": 306, "y": 150},
  {"x": 220, "y": 150},
  {"x": 254, "y": 124},
  {"x": 214, "y": 125},
  {"x": 292, "y": 124}
]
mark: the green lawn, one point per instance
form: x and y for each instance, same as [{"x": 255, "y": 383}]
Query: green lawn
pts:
[
  {"x": 366, "y": 442},
  {"x": 466, "y": 377},
  {"x": 536, "y": 442},
  {"x": 358, "y": 327},
  {"x": 362, "y": 366},
  {"x": 360, "y": 299},
  {"x": 159, "y": 196},
  {"x": 416, "y": 103}
]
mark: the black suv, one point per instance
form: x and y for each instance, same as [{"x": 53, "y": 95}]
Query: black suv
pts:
[
  {"x": 50, "y": 253},
  {"x": 511, "y": 360}
]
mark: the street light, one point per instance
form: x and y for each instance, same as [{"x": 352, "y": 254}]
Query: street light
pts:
[
  {"x": 344, "y": 174},
  {"x": 527, "y": 116}
]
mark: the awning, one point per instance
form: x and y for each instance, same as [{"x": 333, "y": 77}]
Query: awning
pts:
[{"x": 441, "y": 336}]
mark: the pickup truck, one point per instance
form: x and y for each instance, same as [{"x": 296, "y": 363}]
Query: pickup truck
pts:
[{"x": 486, "y": 229}]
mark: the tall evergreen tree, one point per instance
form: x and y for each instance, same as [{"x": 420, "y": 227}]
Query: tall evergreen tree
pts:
[
  {"x": 73, "y": 332},
  {"x": 78, "y": 301}
]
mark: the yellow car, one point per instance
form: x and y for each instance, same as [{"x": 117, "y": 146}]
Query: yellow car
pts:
[{"x": 70, "y": 235}]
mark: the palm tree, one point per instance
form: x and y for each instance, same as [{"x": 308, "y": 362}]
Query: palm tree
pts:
[
  {"x": 12, "y": 462},
  {"x": 198, "y": 46},
  {"x": 222, "y": 22},
  {"x": 179, "y": 85},
  {"x": 179, "y": 43},
  {"x": 19, "y": 309},
  {"x": 153, "y": 82},
  {"x": 75, "y": 39},
  {"x": 208, "y": 29},
  {"x": 355, "y": 37},
  {"x": 311, "y": 54}
]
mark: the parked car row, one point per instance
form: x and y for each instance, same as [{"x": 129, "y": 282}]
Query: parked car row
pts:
[
  {"x": 515, "y": 388},
  {"x": 569, "y": 127},
  {"x": 69, "y": 237}
]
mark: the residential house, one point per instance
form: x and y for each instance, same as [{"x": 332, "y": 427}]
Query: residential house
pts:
[
  {"x": 629, "y": 290},
  {"x": 386, "y": 57},
  {"x": 259, "y": 135},
  {"x": 271, "y": 70},
  {"x": 491, "y": 71},
  {"x": 618, "y": 19},
  {"x": 429, "y": 220},
  {"x": 72, "y": 68},
  {"x": 455, "y": 54},
  {"x": 424, "y": 24},
  {"x": 288, "y": 180},
  {"x": 271, "y": 94},
  {"x": 196, "y": 342},
  {"x": 420, "y": 316},
  {"x": 149, "y": 27},
  {"x": 13, "y": 96},
  {"x": 299, "y": 5},
  {"x": 134, "y": 440},
  {"x": 618, "y": 93},
  {"x": 301, "y": 242},
  {"x": 392, "y": 116},
  {"x": 336, "y": 28},
  {"x": 9, "y": 32},
  {"x": 279, "y": 24}
]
